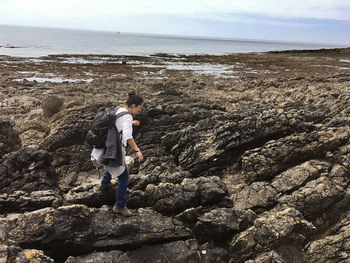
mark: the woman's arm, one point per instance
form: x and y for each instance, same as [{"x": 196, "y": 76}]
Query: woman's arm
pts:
[{"x": 133, "y": 146}]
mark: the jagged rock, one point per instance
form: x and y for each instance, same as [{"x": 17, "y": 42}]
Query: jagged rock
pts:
[
  {"x": 156, "y": 170},
  {"x": 85, "y": 229},
  {"x": 97, "y": 257},
  {"x": 187, "y": 151},
  {"x": 299, "y": 175},
  {"x": 275, "y": 156},
  {"x": 75, "y": 103},
  {"x": 69, "y": 127},
  {"x": 27, "y": 170},
  {"x": 90, "y": 194},
  {"x": 9, "y": 139},
  {"x": 256, "y": 196},
  {"x": 8, "y": 249},
  {"x": 260, "y": 195},
  {"x": 283, "y": 254},
  {"x": 179, "y": 251},
  {"x": 166, "y": 198},
  {"x": 315, "y": 197},
  {"x": 342, "y": 156},
  {"x": 51, "y": 105},
  {"x": 334, "y": 247},
  {"x": 221, "y": 224},
  {"x": 268, "y": 257},
  {"x": 268, "y": 231},
  {"x": 32, "y": 256},
  {"x": 210, "y": 142},
  {"x": 33, "y": 132},
  {"x": 172, "y": 198},
  {"x": 20, "y": 201},
  {"x": 74, "y": 166}
]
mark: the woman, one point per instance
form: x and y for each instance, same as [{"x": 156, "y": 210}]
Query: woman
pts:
[{"x": 124, "y": 124}]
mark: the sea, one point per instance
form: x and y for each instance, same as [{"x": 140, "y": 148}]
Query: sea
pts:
[{"x": 20, "y": 41}]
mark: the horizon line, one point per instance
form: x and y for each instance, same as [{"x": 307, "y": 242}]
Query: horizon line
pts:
[{"x": 199, "y": 37}]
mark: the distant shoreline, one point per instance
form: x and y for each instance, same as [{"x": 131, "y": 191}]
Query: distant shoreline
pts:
[
  {"x": 291, "y": 51},
  {"x": 39, "y": 42}
]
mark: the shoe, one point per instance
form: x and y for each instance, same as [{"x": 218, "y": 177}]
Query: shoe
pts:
[{"x": 122, "y": 211}]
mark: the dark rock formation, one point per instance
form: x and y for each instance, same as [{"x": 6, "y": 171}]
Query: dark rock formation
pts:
[
  {"x": 261, "y": 195},
  {"x": 275, "y": 156},
  {"x": 215, "y": 140},
  {"x": 219, "y": 225},
  {"x": 171, "y": 198},
  {"x": 90, "y": 194},
  {"x": 179, "y": 251},
  {"x": 86, "y": 230},
  {"x": 257, "y": 184},
  {"x": 269, "y": 231},
  {"x": 9, "y": 139},
  {"x": 27, "y": 170},
  {"x": 20, "y": 201},
  {"x": 334, "y": 247},
  {"x": 285, "y": 253}
]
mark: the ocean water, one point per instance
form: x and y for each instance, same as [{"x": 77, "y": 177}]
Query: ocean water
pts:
[{"x": 36, "y": 42}]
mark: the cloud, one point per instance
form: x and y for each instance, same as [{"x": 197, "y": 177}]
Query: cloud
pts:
[
  {"x": 321, "y": 9},
  {"x": 268, "y": 19}
]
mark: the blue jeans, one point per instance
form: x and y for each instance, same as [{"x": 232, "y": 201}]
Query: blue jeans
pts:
[{"x": 121, "y": 193}]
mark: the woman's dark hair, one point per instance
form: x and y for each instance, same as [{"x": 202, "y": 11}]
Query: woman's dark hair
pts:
[{"x": 133, "y": 98}]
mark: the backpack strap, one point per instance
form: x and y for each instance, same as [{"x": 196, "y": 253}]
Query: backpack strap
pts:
[{"x": 120, "y": 113}]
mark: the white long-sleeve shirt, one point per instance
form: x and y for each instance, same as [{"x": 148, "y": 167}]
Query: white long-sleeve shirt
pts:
[{"x": 124, "y": 124}]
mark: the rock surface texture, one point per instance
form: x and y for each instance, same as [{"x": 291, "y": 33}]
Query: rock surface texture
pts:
[{"x": 251, "y": 168}]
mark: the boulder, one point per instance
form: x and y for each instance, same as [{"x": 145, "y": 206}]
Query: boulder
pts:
[{"x": 51, "y": 105}]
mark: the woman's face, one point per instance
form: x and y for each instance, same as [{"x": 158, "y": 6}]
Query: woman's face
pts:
[{"x": 136, "y": 109}]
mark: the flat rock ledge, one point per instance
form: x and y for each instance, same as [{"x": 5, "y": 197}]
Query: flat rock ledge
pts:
[{"x": 86, "y": 229}]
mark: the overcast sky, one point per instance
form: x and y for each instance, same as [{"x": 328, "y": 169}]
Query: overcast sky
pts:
[{"x": 319, "y": 21}]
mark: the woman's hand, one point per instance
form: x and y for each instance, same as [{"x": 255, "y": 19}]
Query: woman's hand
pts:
[
  {"x": 136, "y": 123},
  {"x": 140, "y": 156}
]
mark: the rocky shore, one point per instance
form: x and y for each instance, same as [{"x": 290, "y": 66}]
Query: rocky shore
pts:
[{"x": 247, "y": 159}]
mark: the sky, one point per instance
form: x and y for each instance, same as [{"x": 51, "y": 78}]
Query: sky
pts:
[{"x": 313, "y": 21}]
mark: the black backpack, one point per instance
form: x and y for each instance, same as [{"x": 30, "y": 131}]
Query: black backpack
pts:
[{"x": 104, "y": 120}]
